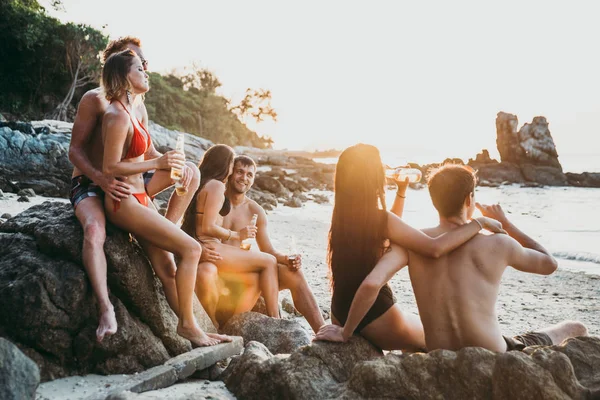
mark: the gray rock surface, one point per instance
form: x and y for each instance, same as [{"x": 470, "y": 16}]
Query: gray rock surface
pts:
[
  {"x": 48, "y": 305},
  {"x": 19, "y": 375},
  {"x": 311, "y": 372},
  {"x": 349, "y": 371},
  {"x": 280, "y": 336}
]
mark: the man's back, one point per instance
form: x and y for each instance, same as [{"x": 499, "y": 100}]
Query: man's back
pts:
[{"x": 456, "y": 294}]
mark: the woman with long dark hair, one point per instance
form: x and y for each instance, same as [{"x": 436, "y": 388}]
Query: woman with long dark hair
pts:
[
  {"x": 364, "y": 235},
  {"x": 203, "y": 220}
]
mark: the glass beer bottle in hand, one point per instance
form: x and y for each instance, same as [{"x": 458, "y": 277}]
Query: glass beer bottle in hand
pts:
[
  {"x": 247, "y": 243},
  {"x": 401, "y": 173},
  {"x": 177, "y": 173}
]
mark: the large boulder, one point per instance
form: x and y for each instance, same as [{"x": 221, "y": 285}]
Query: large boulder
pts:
[
  {"x": 500, "y": 172},
  {"x": 49, "y": 308},
  {"x": 355, "y": 371},
  {"x": 28, "y": 153},
  {"x": 280, "y": 336},
  {"x": 271, "y": 185},
  {"x": 532, "y": 144},
  {"x": 544, "y": 175},
  {"x": 19, "y": 375},
  {"x": 311, "y": 372}
]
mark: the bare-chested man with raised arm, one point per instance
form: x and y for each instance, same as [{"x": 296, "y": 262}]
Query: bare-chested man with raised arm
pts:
[
  {"x": 290, "y": 272},
  {"x": 89, "y": 185},
  {"x": 456, "y": 294}
]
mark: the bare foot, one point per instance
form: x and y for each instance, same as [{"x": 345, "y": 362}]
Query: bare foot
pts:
[
  {"x": 222, "y": 338},
  {"x": 107, "y": 325},
  {"x": 195, "y": 335}
]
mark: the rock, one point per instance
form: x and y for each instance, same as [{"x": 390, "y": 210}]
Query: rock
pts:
[
  {"x": 350, "y": 371},
  {"x": 292, "y": 185},
  {"x": 166, "y": 139},
  {"x": 19, "y": 375},
  {"x": 320, "y": 199},
  {"x": 6, "y": 216},
  {"x": 287, "y": 304},
  {"x": 544, "y": 175},
  {"x": 294, "y": 202},
  {"x": 271, "y": 185},
  {"x": 49, "y": 308},
  {"x": 280, "y": 336},
  {"x": 45, "y": 187},
  {"x": 500, "y": 172},
  {"x": 586, "y": 179},
  {"x": 311, "y": 372},
  {"x": 26, "y": 193},
  {"x": 482, "y": 158},
  {"x": 532, "y": 144},
  {"x": 264, "y": 199},
  {"x": 36, "y": 153},
  {"x": 25, "y": 154},
  {"x": 23, "y": 199},
  {"x": 1, "y": 194}
]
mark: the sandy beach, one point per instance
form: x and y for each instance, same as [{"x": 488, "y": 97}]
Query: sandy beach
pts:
[{"x": 526, "y": 301}]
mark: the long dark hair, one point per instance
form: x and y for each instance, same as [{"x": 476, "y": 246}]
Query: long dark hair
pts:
[
  {"x": 358, "y": 224},
  {"x": 215, "y": 164}
]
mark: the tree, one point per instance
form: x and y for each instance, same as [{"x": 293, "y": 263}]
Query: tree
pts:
[
  {"x": 82, "y": 46},
  {"x": 256, "y": 104},
  {"x": 201, "y": 79}
]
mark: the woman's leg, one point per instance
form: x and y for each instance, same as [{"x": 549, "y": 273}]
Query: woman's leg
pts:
[
  {"x": 207, "y": 289},
  {"x": 148, "y": 225},
  {"x": 236, "y": 260}
]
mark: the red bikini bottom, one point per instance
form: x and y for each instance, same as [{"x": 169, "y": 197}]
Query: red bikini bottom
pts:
[{"x": 142, "y": 198}]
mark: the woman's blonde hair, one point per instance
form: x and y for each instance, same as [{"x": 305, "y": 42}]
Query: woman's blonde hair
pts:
[{"x": 114, "y": 74}]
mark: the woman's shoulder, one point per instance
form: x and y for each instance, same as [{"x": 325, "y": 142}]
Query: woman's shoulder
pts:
[
  {"x": 215, "y": 185},
  {"x": 115, "y": 114}
]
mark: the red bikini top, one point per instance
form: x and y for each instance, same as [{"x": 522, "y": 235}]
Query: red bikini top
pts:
[{"x": 139, "y": 143}]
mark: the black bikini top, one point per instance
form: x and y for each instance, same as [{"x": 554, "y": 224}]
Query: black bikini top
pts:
[{"x": 226, "y": 207}]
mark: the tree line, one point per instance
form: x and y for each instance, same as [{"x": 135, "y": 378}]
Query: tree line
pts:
[{"x": 46, "y": 66}]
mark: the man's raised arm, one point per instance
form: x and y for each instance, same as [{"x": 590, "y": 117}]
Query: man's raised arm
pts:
[{"x": 527, "y": 255}]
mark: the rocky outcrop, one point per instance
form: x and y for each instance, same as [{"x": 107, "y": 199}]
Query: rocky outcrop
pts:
[
  {"x": 531, "y": 148},
  {"x": 311, "y": 372},
  {"x": 532, "y": 144},
  {"x": 19, "y": 375},
  {"x": 586, "y": 179},
  {"x": 35, "y": 156},
  {"x": 357, "y": 371},
  {"x": 280, "y": 336},
  {"x": 48, "y": 306}
]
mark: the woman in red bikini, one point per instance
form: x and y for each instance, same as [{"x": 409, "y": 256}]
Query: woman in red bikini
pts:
[{"x": 126, "y": 142}]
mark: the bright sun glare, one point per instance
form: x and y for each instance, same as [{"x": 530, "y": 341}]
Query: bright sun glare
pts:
[{"x": 416, "y": 77}]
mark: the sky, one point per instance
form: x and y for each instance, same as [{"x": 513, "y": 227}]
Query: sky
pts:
[{"x": 424, "y": 77}]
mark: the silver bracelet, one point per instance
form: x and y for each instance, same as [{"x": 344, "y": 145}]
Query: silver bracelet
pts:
[{"x": 479, "y": 223}]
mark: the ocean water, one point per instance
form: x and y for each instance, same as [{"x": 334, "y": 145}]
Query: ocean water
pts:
[
  {"x": 565, "y": 220},
  {"x": 576, "y": 163}
]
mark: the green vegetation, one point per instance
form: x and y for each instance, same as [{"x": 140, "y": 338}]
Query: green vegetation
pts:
[{"x": 46, "y": 66}]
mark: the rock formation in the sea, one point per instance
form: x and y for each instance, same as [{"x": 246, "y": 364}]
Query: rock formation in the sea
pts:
[
  {"x": 531, "y": 148},
  {"x": 356, "y": 370},
  {"x": 48, "y": 308}
]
